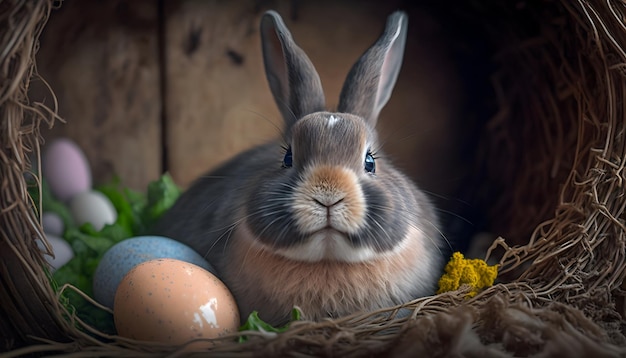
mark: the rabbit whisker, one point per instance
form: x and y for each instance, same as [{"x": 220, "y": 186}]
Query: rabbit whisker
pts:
[
  {"x": 445, "y": 197},
  {"x": 276, "y": 126},
  {"x": 226, "y": 234},
  {"x": 375, "y": 239},
  {"x": 266, "y": 211},
  {"x": 227, "y": 230},
  {"x": 209, "y": 176},
  {"x": 456, "y": 215},
  {"x": 243, "y": 261},
  {"x": 282, "y": 234},
  {"x": 286, "y": 105},
  {"x": 278, "y": 218},
  {"x": 288, "y": 186},
  {"x": 409, "y": 220},
  {"x": 279, "y": 200},
  {"x": 432, "y": 241}
]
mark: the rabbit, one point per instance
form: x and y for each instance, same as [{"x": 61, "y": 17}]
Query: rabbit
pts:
[{"x": 318, "y": 219}]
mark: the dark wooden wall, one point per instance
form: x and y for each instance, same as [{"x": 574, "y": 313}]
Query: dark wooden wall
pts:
[
  {"x": 148, "y": 86},
  {"x": 101, "y": 58}
]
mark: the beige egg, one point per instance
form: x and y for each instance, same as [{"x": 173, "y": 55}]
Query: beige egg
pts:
[{"x": 172, "y": 301}]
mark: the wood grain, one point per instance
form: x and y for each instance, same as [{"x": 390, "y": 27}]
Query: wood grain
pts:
[
  {"x": 101, "y": 60},
  {"x": 105, "y": 70},
  {"x": 218, "y": 101}
]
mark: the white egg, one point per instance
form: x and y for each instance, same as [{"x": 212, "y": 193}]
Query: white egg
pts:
[
  {"x": 61, "y": 250},
  {"x": 52, "y": 224},
  {"x": 92, "y": 207}
]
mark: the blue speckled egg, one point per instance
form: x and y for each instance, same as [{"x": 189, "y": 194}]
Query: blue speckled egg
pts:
[{"x": 125, "y": 255}]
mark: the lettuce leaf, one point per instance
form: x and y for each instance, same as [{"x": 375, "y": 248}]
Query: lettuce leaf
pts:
[{"x": 255, "y": 323}]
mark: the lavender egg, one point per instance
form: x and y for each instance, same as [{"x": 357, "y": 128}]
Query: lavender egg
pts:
[{"x": 65, "y": 167}]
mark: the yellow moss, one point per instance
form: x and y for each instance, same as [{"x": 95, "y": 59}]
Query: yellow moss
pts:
[{"x": 473, "y": 272}]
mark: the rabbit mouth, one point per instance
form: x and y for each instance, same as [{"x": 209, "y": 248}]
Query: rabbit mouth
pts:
[
  {"x": 328, "y": 244},
  {"x": 329, "y": 231}
]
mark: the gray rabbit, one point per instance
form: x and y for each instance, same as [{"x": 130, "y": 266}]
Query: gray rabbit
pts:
[{"x": 319, "y": 219}]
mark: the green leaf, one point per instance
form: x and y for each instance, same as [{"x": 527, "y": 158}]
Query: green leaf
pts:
[
  {"x": 136, "y": 213},
  {"x": 128, "y": 205},
  {"x": 95, "y": 241},
  {"x": 91, "y": 315},
  {"x": 121, "y": 230},
  {"x": 73, "y": 273},
  {"x": 255, "y": 323},
  {"x": 162, "y": 194}
]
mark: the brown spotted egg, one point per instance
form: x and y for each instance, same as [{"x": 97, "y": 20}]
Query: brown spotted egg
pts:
[{"x": 172, "y": 301}]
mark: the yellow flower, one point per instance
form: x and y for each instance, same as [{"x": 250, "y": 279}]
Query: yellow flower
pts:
[{"x": 473, "y": 272}]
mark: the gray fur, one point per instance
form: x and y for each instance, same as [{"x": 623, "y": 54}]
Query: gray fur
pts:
[
  {"x": 294, "y": 82},
  {"x": 255, "y": 188},
  {"x": 371, "y": 80}
]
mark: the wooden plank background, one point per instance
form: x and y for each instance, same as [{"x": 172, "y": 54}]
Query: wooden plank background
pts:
[
  {"x": 101, "y": 60},
  {"x": 149, "y": 86}
]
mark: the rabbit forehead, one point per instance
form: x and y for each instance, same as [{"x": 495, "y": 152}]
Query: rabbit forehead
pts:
[{"x": 335, "y": 137}]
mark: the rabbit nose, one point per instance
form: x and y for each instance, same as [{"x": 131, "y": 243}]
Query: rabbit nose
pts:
[
  {"x": 328, "y": 201},
  {"x": 329, "y": 196}
]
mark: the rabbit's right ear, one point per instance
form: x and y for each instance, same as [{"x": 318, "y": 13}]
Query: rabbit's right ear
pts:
[
  {"x": 370, "y": 81},
  {"x": 294, "y": 82}
]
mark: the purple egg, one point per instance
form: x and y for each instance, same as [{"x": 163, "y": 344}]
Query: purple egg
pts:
[{"x": 66, "y": 169}]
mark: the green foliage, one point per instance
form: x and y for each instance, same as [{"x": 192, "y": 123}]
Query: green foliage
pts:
[
  {"x": 255, "y": 323},
  {"x": 136, "y": 213}
]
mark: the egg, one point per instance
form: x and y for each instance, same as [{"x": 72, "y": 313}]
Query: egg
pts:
[
  {"x": 171, "y": 301},
  {"x": 52, "y": 224},
  {"x": 61, "y": 250},
  {"x": 65, "y": 167},
  {"x": 92, "y": 207},
  {"x": 125, "y": 255}
]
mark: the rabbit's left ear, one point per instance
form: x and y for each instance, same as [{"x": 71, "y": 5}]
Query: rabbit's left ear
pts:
[
  {"x": 294, "y": 82},
  {"x": 371, "y": 80}
]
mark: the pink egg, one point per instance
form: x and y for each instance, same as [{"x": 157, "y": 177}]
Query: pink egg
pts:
[{"x": 66, "y": 169}]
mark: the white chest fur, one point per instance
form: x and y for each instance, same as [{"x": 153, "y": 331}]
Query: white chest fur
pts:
[{"x": 272, "y": 284}]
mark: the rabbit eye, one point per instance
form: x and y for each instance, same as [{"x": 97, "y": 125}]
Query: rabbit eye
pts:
[
  {"x": 370, "y": 164},
  {"x": 287, "y": 160}
]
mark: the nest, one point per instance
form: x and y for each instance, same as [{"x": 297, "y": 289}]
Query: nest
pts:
[{"x": 555, "y": 150}]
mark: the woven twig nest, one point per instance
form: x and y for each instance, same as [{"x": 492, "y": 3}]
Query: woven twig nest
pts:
[{"x": 555, "y": 150}]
